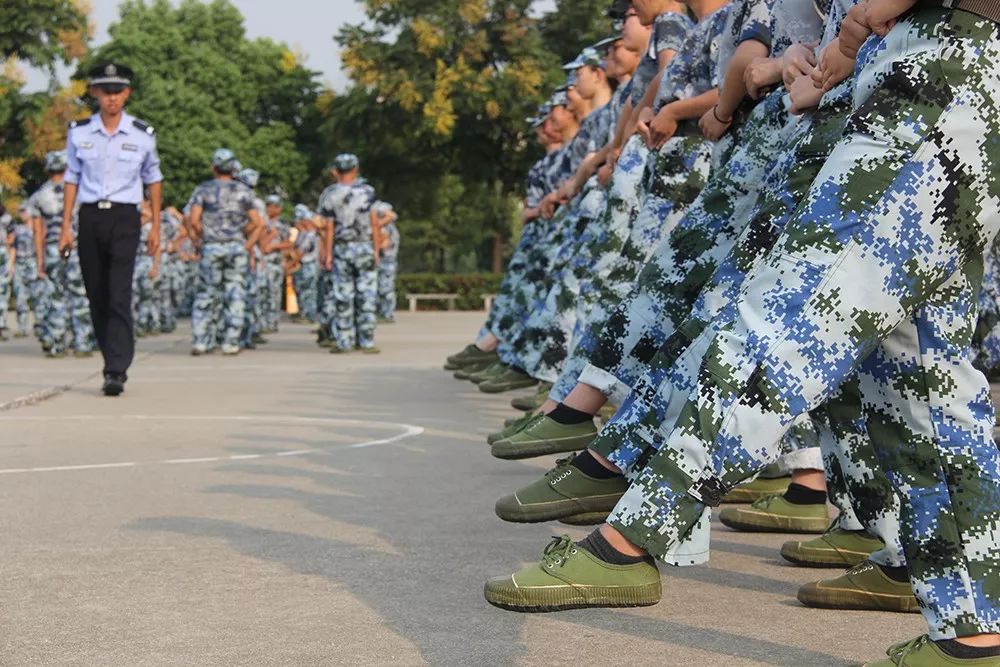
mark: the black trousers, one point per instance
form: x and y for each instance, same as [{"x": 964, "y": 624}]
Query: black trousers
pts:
[{"x": 107, "y": 245}]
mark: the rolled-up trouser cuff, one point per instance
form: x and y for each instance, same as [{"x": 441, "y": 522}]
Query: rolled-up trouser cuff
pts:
[
  {"x": 605, "y": 382},
  {"x": 687, "y": 546},
  {"x": 810, "y": 458}
]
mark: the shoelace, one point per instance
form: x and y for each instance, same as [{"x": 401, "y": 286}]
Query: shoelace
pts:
[
  {"x": 558, "y": 551},
  {"x": 763, "y": 502},
  {"x": 560, "y": 467},
  {"x": 898, "y": 652}
]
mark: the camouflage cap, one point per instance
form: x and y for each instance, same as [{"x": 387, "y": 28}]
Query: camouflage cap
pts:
[
  {"x": 559, "y": 98},
  {"x": 589, "y": 57},
  {"x": 382, "y": 207},
  {"x": 248, "y": 177},
  {"x": 55, "y": 161},
  {"x": 224, "y": 160},
  {"x": 606, "y": 42},
  {"x": 345, "y": 162},
  {"x": 274, "y": 199},
  {"x": 302, "y": 212}
]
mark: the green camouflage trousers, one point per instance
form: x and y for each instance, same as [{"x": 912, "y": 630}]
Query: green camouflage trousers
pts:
[
  {"x": 220, "y": 301},
  {"x": 878, "y": 271}
]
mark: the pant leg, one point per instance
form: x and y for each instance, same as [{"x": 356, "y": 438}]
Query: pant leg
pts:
[
  {"x": 343, "y": 296},
  {"x": 207, "y": 307},
  {"x": 387, "y": 268},
  {"x": 898, "y": 210},
  {"x": 25, "y": 276},
  {"x": 234, "y": 288},
  {"x": 365, "y": 295},
  {"x": 6, "y": 283},
  {"x": 117, "y": 239},
  {"x": 56, "y": 314}
]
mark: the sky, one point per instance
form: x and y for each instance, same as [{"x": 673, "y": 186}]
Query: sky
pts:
[{"x": 307, "y": 25}]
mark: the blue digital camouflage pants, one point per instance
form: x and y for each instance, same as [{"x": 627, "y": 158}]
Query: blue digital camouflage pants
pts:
[
  {"x": 877, "y": 271},
  {"x": 6, "y": 283},
  {"x": 673, "y": 177},
  {"x": 220, "y": 300},
  {"x": 145, "y": 297},
  {"x": 64, "y": 308},
  {"x": 354, "y": 293},
  {"x": 275, "y": 285},
  {"x": 388, "y": 267},
  {"x": 517, "y": 268},
  {"x": 26, "y": 292},
  {"x": 304, "y": 281},
  {"x": 325, "y": 302},
  {"x": 256, "y": 294},
  {"x": 167, "y": 307},
  {"x": 986, "y": 339}
]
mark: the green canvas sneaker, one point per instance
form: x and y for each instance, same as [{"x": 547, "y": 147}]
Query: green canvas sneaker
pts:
[
  {"x": 562, "y": 492},
  {"x": 757, "y": 489},
  {"x": 510, "y": 429},
  {"x": 494, "y": 369},
  {"x": 545, "y": 436},
  {"x": 834, "y": 548},
  {"x": 509, "y": 380},
  {"x": 586, "y": 519},
  {"x": 922, "y": 652},
  {"x": 533, "y": 402},
  {"x": 466, "y": 372},
  {"x": 470, "y": 355},
  {"x": 569, "y": 577},
  {"x": 865, "y": 587},
  {"x": 774, "y": 514}
]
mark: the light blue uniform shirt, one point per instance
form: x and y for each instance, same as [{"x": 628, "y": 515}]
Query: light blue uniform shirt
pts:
[{"x": 111, "y": 167}]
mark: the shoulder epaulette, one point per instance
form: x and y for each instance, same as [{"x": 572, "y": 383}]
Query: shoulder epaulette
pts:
[
  {"x": 144, "y": 126},
  {"x": 79, "y": 123}
]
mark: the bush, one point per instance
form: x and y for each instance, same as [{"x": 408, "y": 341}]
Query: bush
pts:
[{"x": 470, "y": 288}]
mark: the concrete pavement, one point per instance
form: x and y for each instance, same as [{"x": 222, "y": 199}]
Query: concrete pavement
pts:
[{"x": 292, "y": 507}]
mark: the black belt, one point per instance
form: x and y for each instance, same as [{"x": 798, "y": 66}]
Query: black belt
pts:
[{"x": 105, "y": 205}]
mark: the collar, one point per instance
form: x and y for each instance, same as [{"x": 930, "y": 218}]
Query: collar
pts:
[{"x": 124, "y": 125}]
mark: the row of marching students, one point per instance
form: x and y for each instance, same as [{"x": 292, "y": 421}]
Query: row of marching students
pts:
[{"x": 765, "y": 248}]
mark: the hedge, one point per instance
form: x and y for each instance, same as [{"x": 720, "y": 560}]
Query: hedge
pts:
[{"x": 470, "y": 288}]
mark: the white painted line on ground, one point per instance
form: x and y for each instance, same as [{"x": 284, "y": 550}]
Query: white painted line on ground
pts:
[{"x": 409, "y": 431}]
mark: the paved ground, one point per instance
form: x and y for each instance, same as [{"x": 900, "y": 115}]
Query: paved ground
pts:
[{"x": 292, "y": 507}]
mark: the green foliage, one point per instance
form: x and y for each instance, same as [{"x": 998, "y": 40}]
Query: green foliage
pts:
[
  {"x": 574, "y": 25},
  {"x": 42, "y": 32},
  {"x": 203, "y": 84},
  {"x": 470, "y": 287}
]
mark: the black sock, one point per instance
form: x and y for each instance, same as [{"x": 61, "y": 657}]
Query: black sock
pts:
[
  {"x": 959, "y": 650},
  {"x": 602, "y": 549},
  {"x": 801, "y": 495},
  {"x": 900, "y": 574},
  {"x": 563, "y": 414},
  {"x": 588, "y": 465}
]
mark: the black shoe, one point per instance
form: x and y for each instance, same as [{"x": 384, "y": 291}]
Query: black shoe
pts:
[{"x": 114, "y": 384}]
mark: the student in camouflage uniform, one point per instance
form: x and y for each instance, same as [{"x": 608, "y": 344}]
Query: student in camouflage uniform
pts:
[
  {"x": 256, "y": 271},
  {"x": 276, "y": 243},
  {"x": 307, "y": 257},
  {"x": 63, "y": 306},
  {"x": 25, "y": 280},
  {"x": 876, "y": 270},
  {"x": 170, "y": 267},
  {"x": 226, "y": 225},
  {"x": 384, "y": 217},
  {"x": 348, "y": 205},
  {"x": 146, "y": 278},
  {"x": 6, "y": 267}
]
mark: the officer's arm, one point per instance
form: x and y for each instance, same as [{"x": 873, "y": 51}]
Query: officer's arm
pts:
[
  {"x": 71, "y": 182},
  {"x": 155, "y": 204}
]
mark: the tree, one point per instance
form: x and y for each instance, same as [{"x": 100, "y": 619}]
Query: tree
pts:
[
  {"x": 202, "y": 84},
  {"x": 442, "y": 88},
  {"x": 574, "y": 25},
  {"x": 42, "y": 32}
]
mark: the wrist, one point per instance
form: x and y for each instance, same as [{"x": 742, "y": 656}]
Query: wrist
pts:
[{"x": 725, "y": 119}]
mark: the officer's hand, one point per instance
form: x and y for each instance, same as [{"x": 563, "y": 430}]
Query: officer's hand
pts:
[{"x": 65, "y": 241}]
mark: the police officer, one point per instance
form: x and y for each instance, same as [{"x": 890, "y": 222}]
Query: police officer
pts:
[{"x": 111, "y": 156}]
